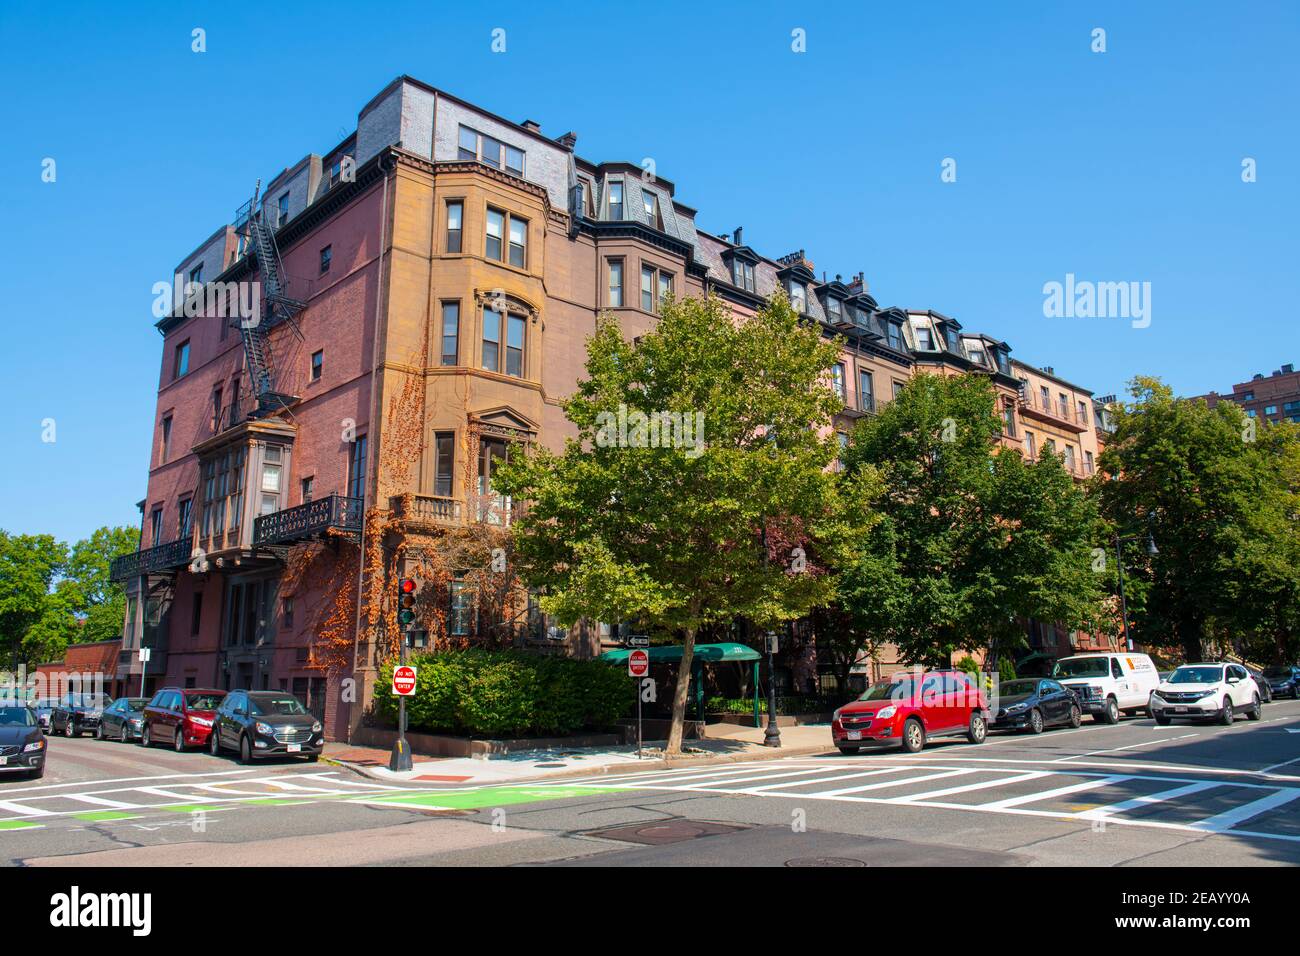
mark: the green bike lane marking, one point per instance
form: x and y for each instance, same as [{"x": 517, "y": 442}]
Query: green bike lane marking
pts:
[
  {"x": 20, "y": 825},
  {"x": 485, "y": 797}
]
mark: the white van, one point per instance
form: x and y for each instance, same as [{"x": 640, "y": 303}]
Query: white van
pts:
[{"x": 1108, "y": 684}]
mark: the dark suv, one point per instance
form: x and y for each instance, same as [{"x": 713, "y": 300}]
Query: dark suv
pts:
[
  {"x": 264, "y": 723},
  {"x": 181, "y": 717},
  {"x": 22, "y": 743},
  {"x": 75, "y": 713}
]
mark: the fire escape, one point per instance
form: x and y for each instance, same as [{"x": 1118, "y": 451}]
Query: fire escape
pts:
[{"x": 258, "y": 238}]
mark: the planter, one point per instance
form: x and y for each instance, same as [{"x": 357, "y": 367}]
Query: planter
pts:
[{"x": 437, "y": 745}]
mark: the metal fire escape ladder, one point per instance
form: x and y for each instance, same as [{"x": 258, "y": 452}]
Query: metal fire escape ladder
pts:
[{"x": 277, "y": 307}]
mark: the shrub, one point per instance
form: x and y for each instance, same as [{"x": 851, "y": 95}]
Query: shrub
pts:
[{"x": 493, "y": 693}]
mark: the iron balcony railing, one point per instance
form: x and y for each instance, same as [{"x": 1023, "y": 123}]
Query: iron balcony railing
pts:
[
  {"x": 164, "y": 557},
  {"x": 307, "y": 520}
]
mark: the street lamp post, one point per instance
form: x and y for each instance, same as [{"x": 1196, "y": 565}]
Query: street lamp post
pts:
[
  {"x": 1119, "y": 566},
  {"x": 772, "y": 735}
]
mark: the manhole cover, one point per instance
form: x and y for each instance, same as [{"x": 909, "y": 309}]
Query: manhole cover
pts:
[
  {"x": 665, "y": 831},
  {"x": 825, "y": 861}
]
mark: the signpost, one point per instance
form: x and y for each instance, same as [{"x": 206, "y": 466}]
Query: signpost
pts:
[
  {"x": 403, "y": 674},
  {"x": 638, "y": 666},
  {"x": 145, "y": 654}
]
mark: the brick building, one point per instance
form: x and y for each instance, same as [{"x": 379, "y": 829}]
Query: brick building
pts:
[
  {"x": 443, "y": 248},
  {"x": 1270, "y": 398}
]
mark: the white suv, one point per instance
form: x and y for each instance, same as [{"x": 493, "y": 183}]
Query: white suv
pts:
[{"x": 1219, "y": 691}]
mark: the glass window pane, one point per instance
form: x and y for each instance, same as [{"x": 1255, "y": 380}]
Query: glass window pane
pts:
[
  {"x": 491, "y": 151},
  {"x": 468, "y": 143},
  {"x": 495, "y": 230},
  {"x": 515, "y": 160},
  {"x": 450, "y": 332}
]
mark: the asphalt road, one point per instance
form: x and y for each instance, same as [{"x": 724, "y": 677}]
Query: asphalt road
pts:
[{"x": 1132, "y": 794}]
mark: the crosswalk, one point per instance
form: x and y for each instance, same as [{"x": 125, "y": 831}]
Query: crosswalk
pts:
[
  {"x": 130, "y": 798},
  {"x": 1243, "y": 805}
]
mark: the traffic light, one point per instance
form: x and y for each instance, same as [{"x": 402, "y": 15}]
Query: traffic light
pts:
[{"x": 406, "y": 602}]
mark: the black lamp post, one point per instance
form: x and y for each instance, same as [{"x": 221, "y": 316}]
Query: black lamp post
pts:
[
  {"x": 772, "y": 735},
  {"x": 1152, "y": 550}
]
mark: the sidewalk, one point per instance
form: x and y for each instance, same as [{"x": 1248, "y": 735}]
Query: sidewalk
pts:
[{"x": 726, "y": 744}]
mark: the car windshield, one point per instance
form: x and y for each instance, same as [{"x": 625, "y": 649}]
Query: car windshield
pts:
[
  {"x": 88, "y": 700},
  {"x": 1014, "y": 688},
  {"x": 1082, "y": 667},
  {"x": 888, "y": 690},
  {"x": 271, "y": 706},
  {"x": 203, "y": 701},
  {"x": 1277, "y": 672},
  {"x": 17, "y": 717},
  {"x": 135, "y": 704},
  {"x": 1197, "y": 675}
]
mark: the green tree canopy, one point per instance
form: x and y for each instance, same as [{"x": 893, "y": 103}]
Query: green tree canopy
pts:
[
  {"x": 1221, "y": 497},
  {"x": 672, "y": 536},
  {"x": 973, "y": 539}
]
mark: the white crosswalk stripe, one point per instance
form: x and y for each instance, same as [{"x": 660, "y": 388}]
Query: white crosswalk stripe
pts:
[{"x": 1166, "y": 799}]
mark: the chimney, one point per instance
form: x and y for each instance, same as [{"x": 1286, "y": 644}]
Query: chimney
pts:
[
  {"x": 737, "y": 235},
  {"x": 1049, "y": 370},
  {"x": 568, "y": 140},
  {"x": 532, "y": 125},
  {"x": 1256, "y": 377},
  {"x": 839, "y": 278},
  {"x": 1288, "y": 369}
]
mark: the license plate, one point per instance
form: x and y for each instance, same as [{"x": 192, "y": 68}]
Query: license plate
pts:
[
  {"x": 294, "y": 748},
  {"x": 1180, "y": 710},
  {"x": 3, "y": 761},
  {"x": 854, "y": 735}
]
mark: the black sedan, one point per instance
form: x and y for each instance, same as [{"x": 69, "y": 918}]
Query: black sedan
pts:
[
  {"x": 75, "y": 713},
  {"x": 265, "y": 723},
  {"x": 1283, "y": 680},
  {"x": 1265, "y": 691},
  {"x": 122, "y": 719},
  {"x": 1033, "y": 704},
  {"x": 22, "y": 742}
]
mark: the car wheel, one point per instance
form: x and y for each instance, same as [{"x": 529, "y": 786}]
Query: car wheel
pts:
[
  {"x": 68, "y": 730},
  {"x": 1035, "y": 721},
  {"x": 1226, "y": 716},
  {"x": 913, "y": 736},
  {"x": 214, "y": 743},
  {"x": 245, "y": 750},
  {"x": 1076, "y": 716},
  {"x": 37, "y": 773},
  {"x": 178, "y": 742},
  {"x": 847, "y": 751},
  {"x": 312, "y": 758},
  {"x": 125, "y": 735},
  {"x": 1111, "y": 715},
  {"x": 145, "y": 731},
  {"x": 1162, "y": 720},
  {"x": 99, "y": 731},
  {"x": 1255, "y": 711},
  {"x": 978, "y": 729}
]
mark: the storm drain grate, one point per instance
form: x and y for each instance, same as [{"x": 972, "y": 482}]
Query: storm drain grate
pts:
[
  {"x": 825, "y": 861},
  {"x": 664, "y": 832}
]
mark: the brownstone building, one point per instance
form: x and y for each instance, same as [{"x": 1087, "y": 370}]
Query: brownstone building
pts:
[
  {"x": 1268, "y": 398},
  {"x": 413, "y": 304}
]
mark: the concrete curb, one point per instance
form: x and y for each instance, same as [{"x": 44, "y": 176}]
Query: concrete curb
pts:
[{"x": 677, "y": 763}]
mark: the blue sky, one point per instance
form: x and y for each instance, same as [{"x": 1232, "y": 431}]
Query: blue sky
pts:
[{"x": 1115, "y": 166}]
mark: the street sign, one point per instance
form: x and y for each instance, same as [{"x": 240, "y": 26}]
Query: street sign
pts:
[
  {"x": 404, "y": 680},
  {"x": 638, "y": 640},
  {"x": 145, "y": 654},
  {"x": 638, "y": 663}
]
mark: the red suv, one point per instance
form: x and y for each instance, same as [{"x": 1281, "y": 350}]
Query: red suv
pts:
[
  {"x": 179, "y": 716},
  {"x": 911, "y": 708}
]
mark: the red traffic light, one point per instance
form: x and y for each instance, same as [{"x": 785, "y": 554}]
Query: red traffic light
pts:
[{"x": 407, "y": 586}]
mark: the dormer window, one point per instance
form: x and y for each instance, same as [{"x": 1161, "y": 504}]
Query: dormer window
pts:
[
  {"x": 474, "y": 145},
  {"x": 797, "y": 297},
  {"x": 742, "y": 274},
  {"x": 834, "y": 311},
  {"x": 924, "y": 338},
  {"x": 616, "y": 200},
  {"x": 895, "y": 333},
  {"x": 651, "y": 204}
]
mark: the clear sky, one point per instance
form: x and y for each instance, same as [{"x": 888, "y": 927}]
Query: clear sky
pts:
[{"x": 1117, "y": 166}]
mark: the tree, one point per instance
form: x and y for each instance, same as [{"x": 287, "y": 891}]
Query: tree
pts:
[
  {"x": 973, "y": 539},
  {"x": 1221, "y": 498},
  {"x": 28, "y": 566},
  {"x": 698, "y": 444}
]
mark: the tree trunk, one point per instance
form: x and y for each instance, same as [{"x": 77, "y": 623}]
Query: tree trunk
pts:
[{"x": 679, "y": 694}]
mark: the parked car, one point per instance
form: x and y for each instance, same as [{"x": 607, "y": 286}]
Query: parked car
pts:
[
  {"x": 1283, "y": 680},
  {"x": 911, "y": 708},
  {"x": 22, "y": 742},
  {"x": 44, "y": 706},
  {"x": 264, "y": 723},
  {"x": 180, "y": 716},
  {"x": 123, "y": 719},
  {"x": 76, "y": 713},
  {"x": 1216, "y": 691},
  {"x": 1109, "y": 684},
  {"x": 1265, "y": 691},
  {"x": 1034, "y": 704}
]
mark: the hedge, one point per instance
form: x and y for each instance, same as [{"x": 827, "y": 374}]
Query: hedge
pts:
[{"x": 483, "y": 693}]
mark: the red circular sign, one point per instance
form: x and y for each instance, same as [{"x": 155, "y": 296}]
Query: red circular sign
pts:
[
  {"x": 404, "y": 681},
  {"x": 638, "y": 663}
]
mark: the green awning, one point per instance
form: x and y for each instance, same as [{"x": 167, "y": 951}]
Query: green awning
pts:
[{"x": 667, "y": 653}]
